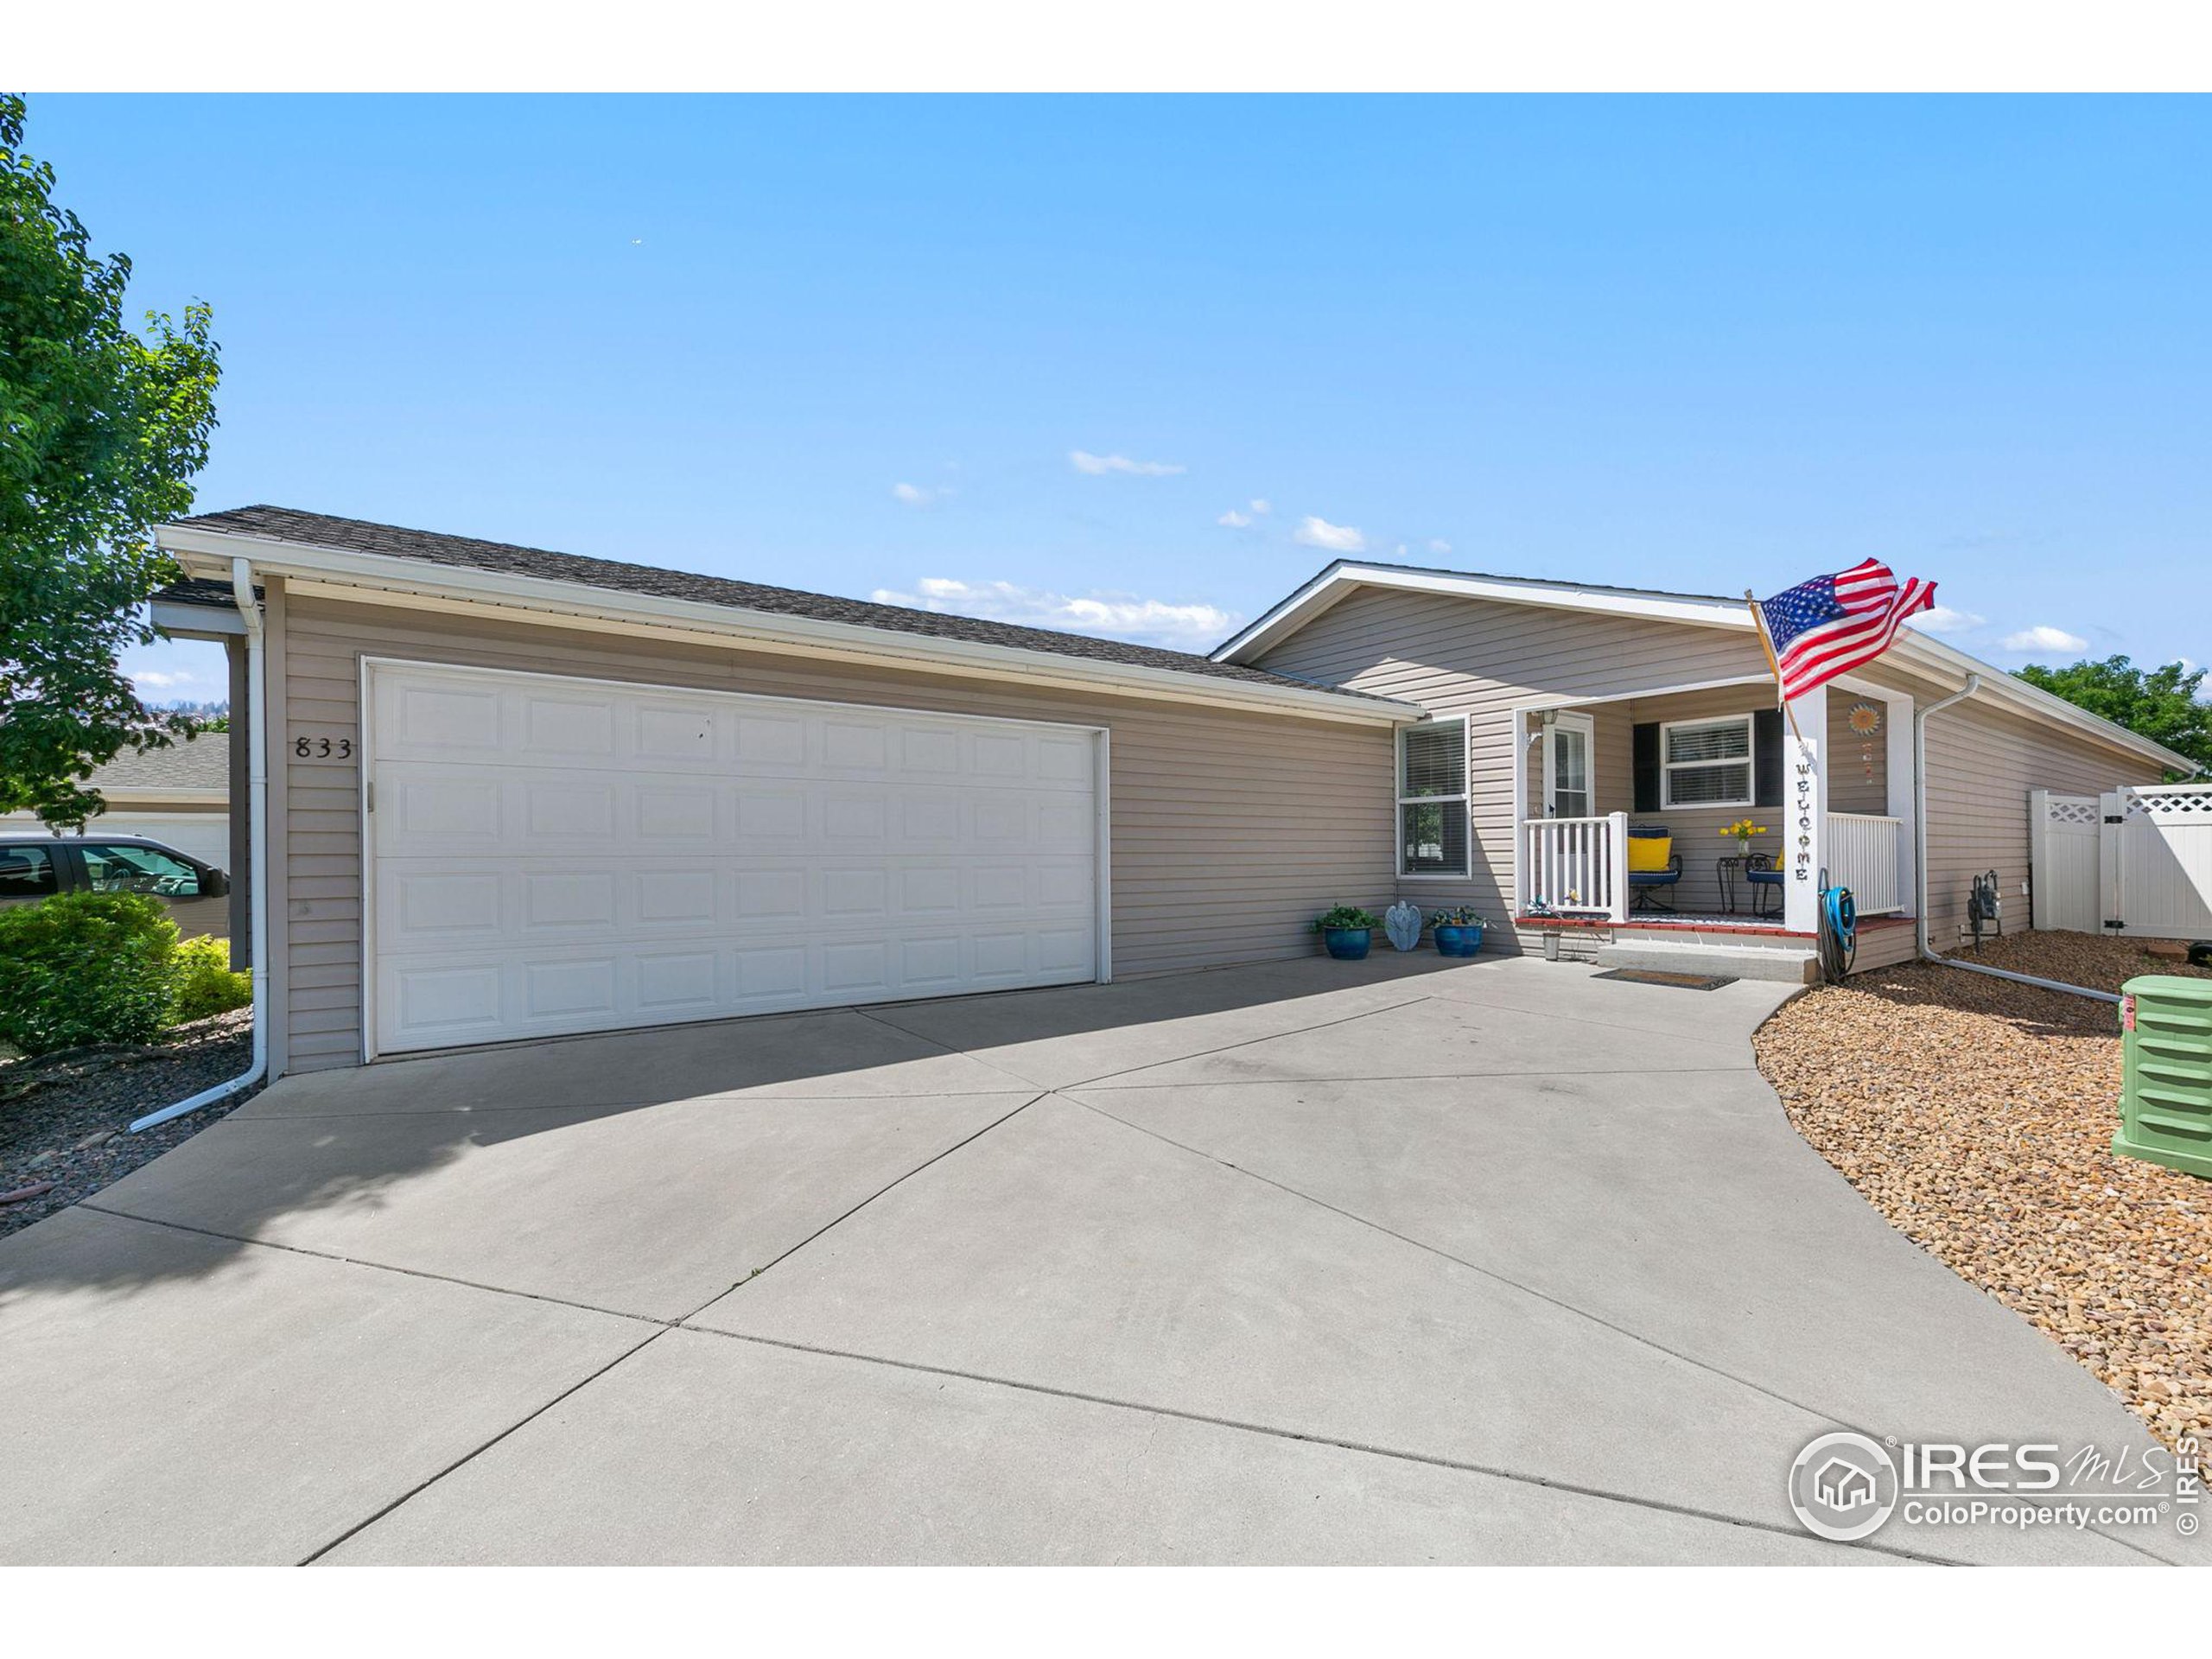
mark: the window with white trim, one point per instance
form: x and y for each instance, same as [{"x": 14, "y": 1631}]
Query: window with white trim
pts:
[
  {"x": 1706, "y": 762},
  {"x": 1433, "y": 798}
]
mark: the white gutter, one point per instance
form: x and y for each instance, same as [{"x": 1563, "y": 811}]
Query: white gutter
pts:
[
  {"x": 257, "y": 858},
  {"x": 1920, "y": 859},
  {"x": 548, "y": 598},
  {"x": 1911, "y": 648}
]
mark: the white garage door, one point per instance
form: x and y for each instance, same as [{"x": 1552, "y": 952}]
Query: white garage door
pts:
[{"x": 550, "y": 854}]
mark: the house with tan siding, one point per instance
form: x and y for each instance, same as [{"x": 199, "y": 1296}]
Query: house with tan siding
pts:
[
  {"x": 512, "y": 793},
  {"x": 1571, "y": 727},
  {"x": 497, "y": 793}
]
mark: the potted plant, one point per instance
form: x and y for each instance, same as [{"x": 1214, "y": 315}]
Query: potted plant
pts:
[
  {"x": 1345, "y": 929},
  {"x": 1741, "y": 832},
  {"x": 1459, "y": 930}
]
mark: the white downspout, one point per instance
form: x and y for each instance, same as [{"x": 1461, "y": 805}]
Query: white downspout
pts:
[
  {"x": 1920, "y": 859},
  {"x": 257, "y": 759}
]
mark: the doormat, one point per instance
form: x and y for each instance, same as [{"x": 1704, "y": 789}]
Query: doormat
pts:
[{"x": 1682, "y": 981}]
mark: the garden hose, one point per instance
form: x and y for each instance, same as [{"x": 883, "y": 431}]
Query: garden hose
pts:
[{"x": 1838, "y": 934}]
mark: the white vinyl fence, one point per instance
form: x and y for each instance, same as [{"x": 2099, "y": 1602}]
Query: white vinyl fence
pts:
[
  {"x": 2136, "y": 861},
  {"x": 2062, "y": 855}
]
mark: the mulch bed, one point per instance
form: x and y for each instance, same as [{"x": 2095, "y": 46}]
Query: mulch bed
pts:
[
  {"x": 1978, "y": 1115},
  {"x": 62, "y": 1118}
]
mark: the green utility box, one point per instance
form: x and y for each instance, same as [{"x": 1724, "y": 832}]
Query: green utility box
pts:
[{"x": 2165, "y": 1091}]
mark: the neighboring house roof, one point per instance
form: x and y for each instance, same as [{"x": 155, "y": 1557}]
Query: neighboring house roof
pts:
[
  {"x": 192, "y": 776},
  {"x": 203, "y": 593},
  {"x": 496, "y": 569},
  {"x": 1343, "y": 577},
  {"x": 195, "y": 766}
]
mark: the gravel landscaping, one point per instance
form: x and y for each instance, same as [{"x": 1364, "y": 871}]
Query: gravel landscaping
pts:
[
  {"x": 1978, "y": 1116},
  {"x": 62, "y": 1118}
]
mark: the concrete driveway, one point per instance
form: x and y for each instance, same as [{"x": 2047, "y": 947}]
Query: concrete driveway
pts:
[{"x": 1400, "y": 1261}]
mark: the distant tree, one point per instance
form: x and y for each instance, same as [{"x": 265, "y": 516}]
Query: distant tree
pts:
[
  {"x": 208, "y": 723},
  {"x": 2159, "y": 703},
  {"x": 102, "y": 427}
]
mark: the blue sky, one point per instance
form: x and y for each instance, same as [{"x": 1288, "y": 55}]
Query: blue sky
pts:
[{"x": 862, "y": 345}]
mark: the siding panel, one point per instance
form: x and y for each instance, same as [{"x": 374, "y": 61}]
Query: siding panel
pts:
[
  {"x": 1481, "y": 659},
  {"x": 1983, "y": 763},
  {"x": 1230, "y": 830}
]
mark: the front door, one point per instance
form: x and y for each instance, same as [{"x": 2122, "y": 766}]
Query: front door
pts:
[{"x": 1566, "y": 766}]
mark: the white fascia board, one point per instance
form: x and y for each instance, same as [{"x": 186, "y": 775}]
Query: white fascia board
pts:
[
  {"x": 1917, "y": 649},
  {"x": 1342, "y": 577},
  {"x": 1935, "y": 656},
  {"x": 582, "y": 603}
]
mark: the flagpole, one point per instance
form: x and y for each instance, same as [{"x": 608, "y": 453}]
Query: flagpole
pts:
[{"x": 1766, "y": 643}]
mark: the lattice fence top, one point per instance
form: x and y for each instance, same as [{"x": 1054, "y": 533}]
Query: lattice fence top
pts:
[
  {"x": 2072, "y": 809},
  {"x": 2169, "y": 802}
]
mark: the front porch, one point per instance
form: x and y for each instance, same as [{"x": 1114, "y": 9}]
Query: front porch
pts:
[
  {"x": 1730, "y": 946},
  {"x": 1623, "y": 807}
]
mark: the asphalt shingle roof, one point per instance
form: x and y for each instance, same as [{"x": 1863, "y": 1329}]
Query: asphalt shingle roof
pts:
[
  {"x": 201, "y": 762},
  {"x": 427, "y": 547}
]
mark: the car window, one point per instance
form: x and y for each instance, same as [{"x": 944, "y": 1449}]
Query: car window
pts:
[
  {"x": 138, "y": 869},
  {"x": 26, "y": 873}
]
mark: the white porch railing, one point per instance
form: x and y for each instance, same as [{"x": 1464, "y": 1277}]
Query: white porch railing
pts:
[
  {"x": 1866, "y": 854},
  {"x": 1576, "y": 867}
]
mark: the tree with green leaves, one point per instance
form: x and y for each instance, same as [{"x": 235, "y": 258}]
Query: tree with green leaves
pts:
[
  {"x": 102, "y": 427},
  {"x": 2160, "y": 703}
]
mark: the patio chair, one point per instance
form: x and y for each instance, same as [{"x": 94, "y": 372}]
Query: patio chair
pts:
[
  {"x": 1665, "y": 868},
  {"x": 1766, "y": 878}
]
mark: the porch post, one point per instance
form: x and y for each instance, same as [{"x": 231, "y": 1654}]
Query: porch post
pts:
[
  {"x": 1617, "y": 864},
  {"x": 1902, "y": 807},
  {"x": 1804, "y": 808},
  {"x": 1517, "y": 897}
]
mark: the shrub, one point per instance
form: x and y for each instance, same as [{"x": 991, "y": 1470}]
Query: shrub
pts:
[
  {"x": 1458, "y": 916},
  {"x": 203, "y": 983},
  {"x": 85, "y": 968},
  {"x": 1346, "y": 916}
]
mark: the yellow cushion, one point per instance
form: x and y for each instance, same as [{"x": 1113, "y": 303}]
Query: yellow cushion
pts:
[{"x": 1650, "y": 852}]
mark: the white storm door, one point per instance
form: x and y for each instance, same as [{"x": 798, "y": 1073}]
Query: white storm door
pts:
[
  {"x": 1567, "y": 741},
  {"x": 548, "y": 854}
]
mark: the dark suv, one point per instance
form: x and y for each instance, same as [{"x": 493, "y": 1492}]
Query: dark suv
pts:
[{"x": 34, "y": 867}]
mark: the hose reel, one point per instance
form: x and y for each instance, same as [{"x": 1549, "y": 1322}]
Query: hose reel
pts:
[{"x": 1839, "y": 932}]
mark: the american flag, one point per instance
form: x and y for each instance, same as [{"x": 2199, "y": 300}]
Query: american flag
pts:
[{"x": 1830, "y": 625}]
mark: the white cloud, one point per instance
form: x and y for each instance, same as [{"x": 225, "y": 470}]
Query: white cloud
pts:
[
  {"x": 1941, "y": 619},
  {"x": 177, "y": 670},
  {"x": 1261, "y": 506},
  {"x": 2043, "y": 637},
  {"x": 920, "y": 495},
  {"x": 1334, "y": 538},
  {"x": 1234, "y": 519},
  {"x": 1438, "y": 546},
  {"x": 1099, "y": 466},
  {"x": 1103, "y": 614}
]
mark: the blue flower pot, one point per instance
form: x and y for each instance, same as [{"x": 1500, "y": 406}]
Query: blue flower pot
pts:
[
  {"x": 1346, "y": 944},
  {"x": 1459, "y": 940}
]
